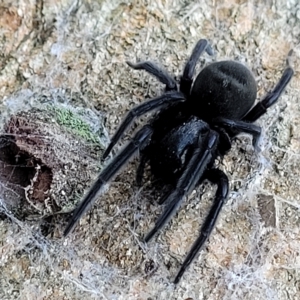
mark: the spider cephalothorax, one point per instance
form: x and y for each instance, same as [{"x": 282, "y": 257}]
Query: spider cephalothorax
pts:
[{"x": 196, "y": 121}]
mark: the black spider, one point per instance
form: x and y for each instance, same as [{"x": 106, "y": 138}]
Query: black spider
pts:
[{"x": 196, "y": 122}]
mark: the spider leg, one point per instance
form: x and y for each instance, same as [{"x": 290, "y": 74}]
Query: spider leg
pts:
[
  {"x": 155, "y": 103},
  {"x": 218, "y": 177},
  {"x": 194, "y": 170},
  {"x": 157, "y": 72},
  {"x": 225, "y": 141},
  {"x": 272, "y": 97},
  {"x": 140, "y": 138},
  {"x": 238, "y": 127},
  {"x": 189, "y": 69}
]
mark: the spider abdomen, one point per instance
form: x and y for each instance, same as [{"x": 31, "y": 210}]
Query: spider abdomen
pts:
[{"x": 223, "y": 89}]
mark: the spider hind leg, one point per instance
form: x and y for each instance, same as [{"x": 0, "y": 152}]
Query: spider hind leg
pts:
[
  {"x": 272, "y": 97},
  {"x": 157, "y": 72},
  {"x": 189, "y": 69}
]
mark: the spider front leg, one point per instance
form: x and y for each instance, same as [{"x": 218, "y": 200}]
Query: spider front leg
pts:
[
  {"x": 217, "y": 177},
  {"x": 189, "y": 69},
  {"x": 189, "y": 179},
  {"x": 139, "y": 140},
  {"x": 272, "y": 97},
  {"x": 158, "y": 102}
]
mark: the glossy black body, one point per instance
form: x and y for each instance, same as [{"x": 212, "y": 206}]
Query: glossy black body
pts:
[
  {"x": 196, "y": 122},
  {"x": 222, "y": 89}
]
